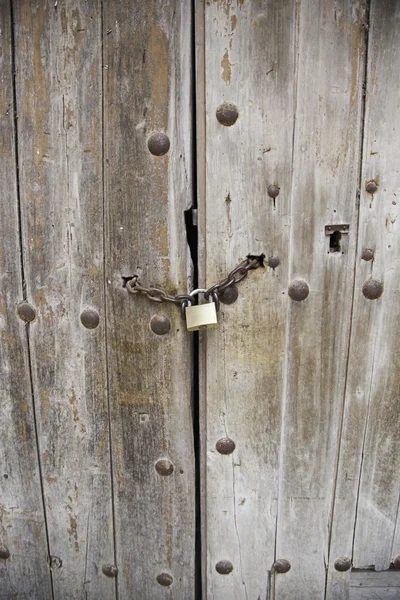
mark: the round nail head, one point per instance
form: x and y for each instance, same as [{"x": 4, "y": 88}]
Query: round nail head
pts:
[
  {"x": 281, "y": 566},
  {"x": 372, "y": 289},
  {"x": 298, "y": 290},
  {"x": 343, "y": 563},
  {"x": 227, "y": 114},
  {"x": 55, "y": 562},
  {"x": 229, "y": 295},
  {"x": 224, "y": 567},
  {"x": 273, "y": 191},
  {"x": 160, "y": 324},
  {"x": 4, "y": 552},
  {"x": 273, "y": 262},
  {"x": 158, "y": 144},
  {"x": 164, "y": 467},
  {"x": 225, "y": 446},
  {"x": 371, "y": 187},
  {"x": 165, "y": 579},
  {"x": 110, "y": 570},
  {"x": 90, "y": 318},
  {"x": 367, "y": 254},
  {"x": 396, "y": 562},
  {"x": 26, "y": 312}
]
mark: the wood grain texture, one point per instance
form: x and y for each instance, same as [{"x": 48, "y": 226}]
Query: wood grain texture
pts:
[
  {"x": 368, "y": 478},
  {"x": 25, "y": 574},
  {"x": 329, "y": 77},
  {"x": 147, "y": 90},
  {"x": 372, "y": 585},
  {"x": 249, "y": 61},
  {"x": 375, "y": 579},
  {"x": 58, "y": 83}
]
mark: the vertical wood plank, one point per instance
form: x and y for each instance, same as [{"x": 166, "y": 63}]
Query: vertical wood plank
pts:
[
  {"x": 325, "y": 177},
  {"x": 58, "y": 75},
  {"x": 249, "y": 61},
  {"x": 147, "y": 90},
  {"x": 368, "y": 479},
  {"x": 25, "y": 573}
]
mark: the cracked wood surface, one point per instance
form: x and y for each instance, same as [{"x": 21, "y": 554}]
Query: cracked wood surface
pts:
[
  {"x": 58, "y": 91},
  {"x": 249, "y": 60},
  {"x": 368, "y": 477},
  {"x": 328, "y": 119},
  {"x": 322, "y": 73},
  {"x": 147, "y": 89},
  {"x": 63, "y": 85},
  {"x": 25, "y": 574}
]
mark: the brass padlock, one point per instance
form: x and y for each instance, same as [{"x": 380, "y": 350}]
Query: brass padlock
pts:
[{"x": 201, "y": 316}]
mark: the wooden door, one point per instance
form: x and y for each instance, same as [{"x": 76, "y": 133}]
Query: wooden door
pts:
[
  {"x": 301, "y": 374},
  {"x": 97, "y": 493},
  {"x": 164, "y": 142}
]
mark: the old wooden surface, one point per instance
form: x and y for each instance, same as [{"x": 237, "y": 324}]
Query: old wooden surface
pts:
[
  {"x": 25, "y": 574},
  {"x": 58, "y": 90},
  {"x": 307, "y": 390},
  {"x": 147, "y": 90},
  {"x": 372, "y": 585},
  {"x": 368, "y": 477},
  {"x": 329, "y": 75},
  {"x": 244, "y": 357}
]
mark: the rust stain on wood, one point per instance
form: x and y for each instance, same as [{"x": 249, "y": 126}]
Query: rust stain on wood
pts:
[
  {"x": 226, "y": 67},
  {"x": 157, "y": 72}
]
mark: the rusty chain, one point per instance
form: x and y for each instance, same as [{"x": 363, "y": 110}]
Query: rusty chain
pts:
[{"x": 235, "y": 276}]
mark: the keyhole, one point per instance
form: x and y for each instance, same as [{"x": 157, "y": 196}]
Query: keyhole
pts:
[{"x": 334, "y": 241}]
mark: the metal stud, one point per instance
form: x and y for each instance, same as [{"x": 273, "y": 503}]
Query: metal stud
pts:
[
  {"x": 371, "y": 187},
  {"x": 55, "y": 562},
  {"x": 372, "y": 289},
  {"x": 90, "y": 318},
  {"x": 224, "y": 567},
  {"x": 225, "y": 446},
  {"x": 281, "y": 565},
  {"x": 229, "y": 295},
  {"x": 367, "y": 254},
  {"x": 396, "y": 562},
  {"x": 164, "y": 467},
  {"x": 158, "y": 144},
  {"x": 4, "y": 552},
  {"x": 343, "y": 563},
  {"x": 227, "y": 114},
  {"x": 26, "y": 312},
  {"x": 273, "y": 262},
  {"x": 298, "y": 290},
  {"x": 165, "y": 579},
  {"x": 273, "y": 191},
  {"x": 160, "y": 324},
  {"x": 110, "y": 570}
]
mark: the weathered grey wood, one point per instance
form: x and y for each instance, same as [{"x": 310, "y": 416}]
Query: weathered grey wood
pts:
[
  {"x": 58, "y": 83},
  {"x": 374, "y": 594},
  {"x": 249, "y": 61},
  {"x": 368, "y": 477},
  {"x": 372, "y": 585},
  {"x": 375, "y": 579},
  {"x": 25, "y": 574},
  {"x": 329, "y": 77},
  {"x": 147, "y": 87}
]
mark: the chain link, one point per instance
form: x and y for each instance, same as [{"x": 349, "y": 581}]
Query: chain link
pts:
[{"x": 235, "y": 276}]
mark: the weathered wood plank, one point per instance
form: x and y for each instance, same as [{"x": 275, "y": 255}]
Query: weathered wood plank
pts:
[
  {"x": 58, "y": 75},
  {"x": 374, "y": 593},
  {"x": 368, "y": 477},
  {"x": 324, "y": 193},
  {"x": 25, "y": 574},
  {"x": 249, "y": 61},
  {"x": 147, "y": 88},
  {"x": 375, "y": 579}
]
